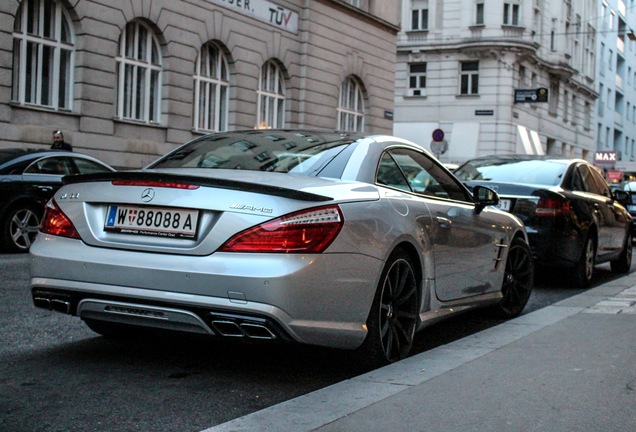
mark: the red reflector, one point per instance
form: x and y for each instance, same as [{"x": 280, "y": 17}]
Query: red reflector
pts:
[
  {"x": 155, "y": 183},
  {"x": 550, "y": 206}
]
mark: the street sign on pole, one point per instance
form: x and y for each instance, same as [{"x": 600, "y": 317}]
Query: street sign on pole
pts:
[{"x": 438, "y": 135}]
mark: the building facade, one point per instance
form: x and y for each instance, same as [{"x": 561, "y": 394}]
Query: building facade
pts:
[
  {"x": 128, "y": 81},
  {"x": 478, "y": 77},
  {"x": 616, "y": 87}
]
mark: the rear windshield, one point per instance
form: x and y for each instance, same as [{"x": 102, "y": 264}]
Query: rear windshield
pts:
[
  {"x": 540, "y": 172},
  {"x": 285, "y": 153}
]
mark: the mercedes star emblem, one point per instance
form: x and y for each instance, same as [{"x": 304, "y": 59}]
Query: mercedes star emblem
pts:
[{"x": 147, "y": 195}]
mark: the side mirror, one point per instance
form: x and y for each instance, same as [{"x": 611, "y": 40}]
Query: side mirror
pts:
[
  {"x": 484, "y": 196},
  {"x": 622, "y": 197}
]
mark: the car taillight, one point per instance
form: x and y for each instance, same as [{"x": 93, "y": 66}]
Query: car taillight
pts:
[
  {"x": 552, "y": 206},
  {"x": 56, "y": 223},
  {"x": 308, "y": 231}
]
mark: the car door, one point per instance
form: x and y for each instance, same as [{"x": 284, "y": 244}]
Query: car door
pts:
[
  {"x": 613, "y": 219},
  {"x": 466, "y": 245},
  {"x": 590, "y": 206}
]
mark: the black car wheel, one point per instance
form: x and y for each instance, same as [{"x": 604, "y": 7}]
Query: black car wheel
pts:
[
  {"x": 393, "y": 318},
  {"x": 584, "y": 269},
  {"x": 624, "y": 262},
  {"x": 518, "y": 280},
  {"x": 19, "y": 228}
]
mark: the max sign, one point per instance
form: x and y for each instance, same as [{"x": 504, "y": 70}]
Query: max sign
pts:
[
  {"x": 265, "y": 11},
  {"x": 605, "y": 158}
]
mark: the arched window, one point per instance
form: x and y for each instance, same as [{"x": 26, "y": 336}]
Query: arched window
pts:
[
  {"x": 43, "y": 55},
  {"x": 271, "y": 97},
  {"x": 351, "y": 106},
  {"x": 139, "y": 74},
  {"x": 211, "y": 88}
]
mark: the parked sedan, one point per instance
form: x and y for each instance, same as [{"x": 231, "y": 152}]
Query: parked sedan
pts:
[
  {"x": 28, "y": 179},
  {"x": 630, "y": 188},
  {"x": 338, "y": 240},
  {"x": 572, "y": 218}
]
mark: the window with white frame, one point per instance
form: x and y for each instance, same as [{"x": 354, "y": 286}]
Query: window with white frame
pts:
[
  {"x": 211, "y": 89},
  {"x": 479, "y": 12},
  {"x": 139, "y": 74},
  {"x": 419, "y": 15},
  {"x": 417, "y": 79},
  {"x": 351, "y": 106},
  {"x": 469, "y": 78},
  {"x": 271, "y": 97},
  {"x": 43, "y": 55},
  {"x": 511, "y": 14}
]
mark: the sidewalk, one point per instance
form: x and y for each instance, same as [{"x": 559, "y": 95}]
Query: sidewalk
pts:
[{"x": 567, "y": 367}]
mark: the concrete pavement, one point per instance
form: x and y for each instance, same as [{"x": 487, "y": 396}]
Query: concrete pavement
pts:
[{"x": 567, "y": 367}]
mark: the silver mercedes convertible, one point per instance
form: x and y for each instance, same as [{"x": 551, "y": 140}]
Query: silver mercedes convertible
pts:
[{"x": 331, "y": 239}]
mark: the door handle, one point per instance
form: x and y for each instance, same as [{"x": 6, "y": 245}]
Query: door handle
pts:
[{"x": 443, "y": 222}]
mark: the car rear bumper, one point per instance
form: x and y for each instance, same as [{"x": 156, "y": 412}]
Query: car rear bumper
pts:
[
  {"x": 555, "y": 248},
  {"x": 315, "y": 299}
]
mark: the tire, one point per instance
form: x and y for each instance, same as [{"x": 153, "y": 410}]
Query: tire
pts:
[
  {"x": 624, "y": 262},
  {"x": 518, "y": 280},
  {"x": 20, "y": 227},
  {"x": 584, "y": 269},
  {"x": 394, "y": 313}
]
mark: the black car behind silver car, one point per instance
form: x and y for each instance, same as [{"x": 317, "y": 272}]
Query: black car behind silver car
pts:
[
  {"x": 572, "y": 217},
  {"x": 28, "y": 178}
]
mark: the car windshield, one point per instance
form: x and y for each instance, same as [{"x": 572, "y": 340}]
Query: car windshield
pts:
[
  {"x": 540, "y": 172},
  {"x": 300, "y": 153}
]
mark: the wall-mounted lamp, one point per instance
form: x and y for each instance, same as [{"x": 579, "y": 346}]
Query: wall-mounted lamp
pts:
[{"x": 631, "y": 36}]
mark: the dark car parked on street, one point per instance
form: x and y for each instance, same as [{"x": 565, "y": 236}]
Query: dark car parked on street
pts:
[
  {"x": 572, "y": 217},
  {"x": 630, "y": 188},
  {"x": 28, "y": 178}
]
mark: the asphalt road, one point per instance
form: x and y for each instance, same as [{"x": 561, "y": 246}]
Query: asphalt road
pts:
[{"x": 56, "y": 375}]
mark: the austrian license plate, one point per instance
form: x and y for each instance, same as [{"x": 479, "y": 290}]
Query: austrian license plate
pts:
[
  {"x": 152, "y": 221},
  {"x": 504, "y": 204}
]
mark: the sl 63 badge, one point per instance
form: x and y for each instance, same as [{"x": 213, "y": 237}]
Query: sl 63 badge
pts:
[{"x": 70, "y": 196}]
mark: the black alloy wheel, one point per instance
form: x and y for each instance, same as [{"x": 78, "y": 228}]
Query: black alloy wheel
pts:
[
  {"x": 394, "y": 313},
  {"x": 518, "y": 280}
]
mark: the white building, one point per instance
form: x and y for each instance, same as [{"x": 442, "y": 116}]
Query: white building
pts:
[
  {"x": 478, "y": 70},
  {"x": 616, "y": 86},
  {"x": 127, "y": 81}
]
